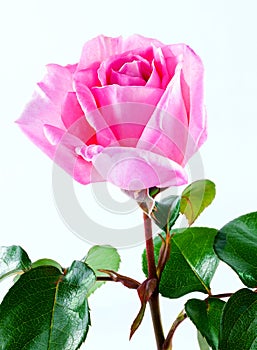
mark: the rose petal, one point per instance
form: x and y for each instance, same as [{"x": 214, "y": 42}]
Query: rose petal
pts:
[
  {"x": 182, "y": 104},
  {"x": 126, "y": 110},
  {"x": 71, "y": 110},
  {"x": 154, "y": 80},
  {"x": 101, "y": 47},
  {"x": 72, "y": 68},
  {"x": 172, "y": 101},
  {"x": 66, "y": 157},
  {"x": 56, "y": 83},
  {"x": 98, "y": 49},
  {"x": 45, "y": 106},
  {"x": 93, "y": 115},
  {"x": 165, "y": 66},
  {"x": 84, "y": 172},
  {"x": 38, "y": 112},
  {"x": 193, "y": 94},
  {"x": 191, "y": 87},
  {"x": 166, "y": 132},
  {"x": 135, "y": 73},
  {"x": 89, "y": 75},
  {"x": 81, "y": 170},
  {"x": 37, "y": 123},
  {"x": 118, "y": 62},
  {"x": 125, "y": 120},
  {"x": 127, "y": 134},
  {"x": 53, "y": 134},
  {"x": 138, "y": 41},
  {"x": 125, "y": 80},
  {"x": 132, "y": 69},
  {"x": 74, "y": 120},
  {"x": 113, "y": 94},
  {"x": 127, "y": 168}
]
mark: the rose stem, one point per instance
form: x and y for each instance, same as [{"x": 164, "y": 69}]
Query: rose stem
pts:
[
  {"x": 154, "y": 300},
  {"x": 219, "y": 296}
]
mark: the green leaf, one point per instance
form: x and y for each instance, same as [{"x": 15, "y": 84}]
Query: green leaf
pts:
[
  {"x": 47, "y": 310},
  {"x": 236, "y": 245},
  {"x": 166, "y": 212},
  {"x": 46, "y": 262},
  {"x": 206, "y": 316},
  {"x": 192, "y": 262},
  {"x": 239, "y": 322},
  {"x": 13, "y": 260},
  {"x": 195, "y": 198},
  {"x": 102, "y": 257},
  {"x": 202, "y": 342}
]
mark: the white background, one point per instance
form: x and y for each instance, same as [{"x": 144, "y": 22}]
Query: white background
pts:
[{"x": 34, "y": 33}]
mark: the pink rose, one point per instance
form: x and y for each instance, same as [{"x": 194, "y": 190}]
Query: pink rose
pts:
[{"x": 131, "y": 112}]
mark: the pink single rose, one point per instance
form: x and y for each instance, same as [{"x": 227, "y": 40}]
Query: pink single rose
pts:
[{"x": 131, "y": 112}]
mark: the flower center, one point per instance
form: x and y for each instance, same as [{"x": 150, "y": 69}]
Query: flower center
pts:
[{"x": 89, "y": 152}]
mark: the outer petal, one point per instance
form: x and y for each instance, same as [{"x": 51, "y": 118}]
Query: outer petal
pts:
[
  {"x": 38, "y": 112},
  {"x": 61, "y": 147},
  {"x": 134, "y": 169},
  {"x": 192, "y": 87},
  {"x": 193, "y": 92},
  {"x": 72, "y": 67},
  {"x": 56, "y": 83},
  {"x": 98, "y": 49},
  {"x": 102, "y": 47},
  {"x": 138, "y": 41},
  {"x": 178, "y": 128},
  {"x": 45, "y": 106},
  {"x": 64, "y": 145},
  {"x": 167, "y": 131}
]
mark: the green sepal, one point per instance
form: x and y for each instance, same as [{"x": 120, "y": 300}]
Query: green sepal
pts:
[
  {"x": 195, "y": 198},
  {"x": 165, "y": 212}
]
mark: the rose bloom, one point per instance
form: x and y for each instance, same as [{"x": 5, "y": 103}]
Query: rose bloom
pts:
[{"x": 130, "y": 112}]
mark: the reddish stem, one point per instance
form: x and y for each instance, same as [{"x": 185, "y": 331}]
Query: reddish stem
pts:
[
  {"x": 220, "y": 296},
  {"x": 154, "y": 300},
  {"x": 149, "y": 247}
]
